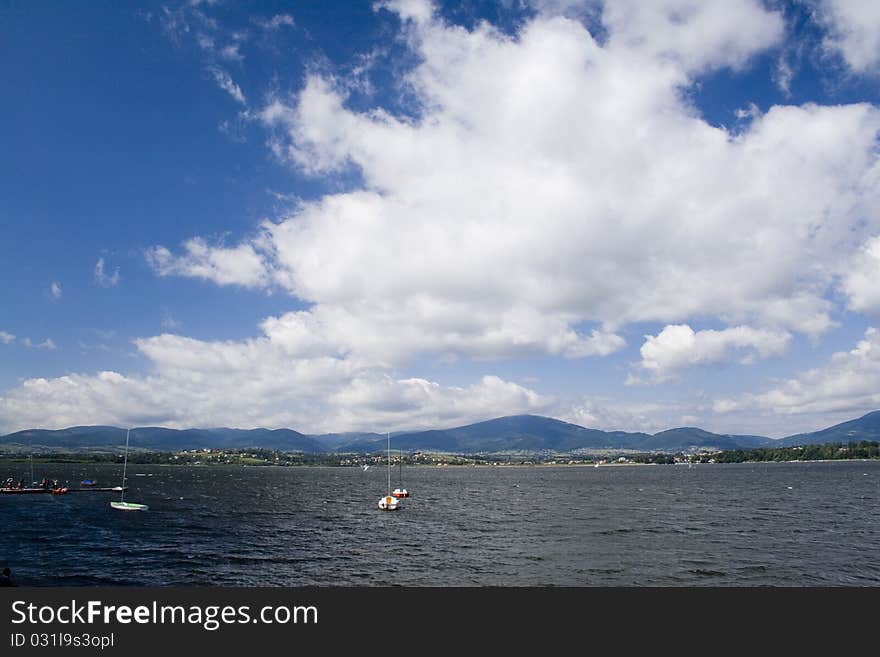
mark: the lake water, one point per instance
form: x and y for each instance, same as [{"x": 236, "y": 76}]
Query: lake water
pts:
[{"x": 789, "y": 524}]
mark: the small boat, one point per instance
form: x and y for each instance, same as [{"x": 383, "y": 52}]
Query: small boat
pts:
[
  {"x": 23, "y": 491},
  {"x": 400, "y": 492},
  {"x": 122, "y": 505},
  {"x": 88, "y": 482},
  {"x": 63, "y": 490},
  {"x": 388, "y": 502},
  {"x": 129, "y": 506}
]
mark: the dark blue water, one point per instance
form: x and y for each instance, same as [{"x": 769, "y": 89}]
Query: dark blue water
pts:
[{"x": 790, "y": 524}]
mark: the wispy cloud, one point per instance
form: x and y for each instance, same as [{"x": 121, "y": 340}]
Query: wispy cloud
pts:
[
  {"x": 784, "y": 75},
  {"x": 847, "y": 384},
  {"x": 45, "y": 344},
  {"x": 174, "y": 24},
  {"x": 104, "y": 334},
  {"x": 233, "y": 129},
  {"x": 275, "y": 23},
  {"x": 227, "y": 84},
  {"x": 242, "y": 265},
  {"x": 6, "y": 338},
  {"x": 169, "y": 323},
  {"x": 191, "y": 21},
  {"x": 55, "y": 290},
  {"x": 230, "y": 53},
  {"x": 85, "y": 346},
  {"x": 101, "y": 277}
]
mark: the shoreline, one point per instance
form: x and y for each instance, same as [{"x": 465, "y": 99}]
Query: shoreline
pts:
[{"x": 17, "y": 462}]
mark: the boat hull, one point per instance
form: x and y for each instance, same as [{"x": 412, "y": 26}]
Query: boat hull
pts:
[
  {"x": 388, "y": 503},
  {"x": 95, "y": 489},
  {"x": 129, "y": 506}
]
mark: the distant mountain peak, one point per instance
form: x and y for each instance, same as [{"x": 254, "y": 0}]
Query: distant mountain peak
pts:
[{"x": 524, "y": 432}]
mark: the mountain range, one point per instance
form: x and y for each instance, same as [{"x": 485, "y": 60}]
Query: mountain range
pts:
[{"x": 517, "y": 433}]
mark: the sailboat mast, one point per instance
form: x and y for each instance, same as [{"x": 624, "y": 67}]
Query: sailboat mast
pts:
[
  {"x": 124, "y": 466},
  {"x": 389, "y": 463},
  {"x": 31, "y": 457}
]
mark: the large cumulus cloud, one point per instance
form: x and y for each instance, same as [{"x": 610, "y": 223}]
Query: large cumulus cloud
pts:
[{"x": 548, "y": 190}]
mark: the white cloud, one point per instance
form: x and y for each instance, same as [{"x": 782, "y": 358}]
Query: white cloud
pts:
[
  {"x": 227, "y": 84},
  {"x": 550, "y": 190},
  {"x": 275, "y": 23},
  {"x": 553, "y": 183},
  {"x": 573, "y": 181},
  {"x": 205, "y": 42},
  {"x": 862, "y": 282},
  {"x": 849, "y": 384},
  {"x": 215, "y": 41},
  {"x": 853, "y": 31},
  {"x": 422, "y": 404},
  {"x": 45, "y": 344},
  {"x": 694, "y": 34},
  {"x": 55, "y": 290},
  {"x": 6, "y": 338},
  {"x": 447, "y": 329},
  {"x": 259, "y": 382},
  {"x": 617, "y": 415},
  {"x": 679, "y": 347},
  {"x": 101, "y": 277},
  {"x": 174, "y": 23},
  {"x": 230, "y": 53},
  {"x": 241, "y": 265},
  {"x": 784, "y": 75},
  {"x": 419, "y": 11}
]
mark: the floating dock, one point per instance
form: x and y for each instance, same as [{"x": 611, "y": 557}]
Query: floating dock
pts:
[
  {"x": 36, "y": 491},
  {"x": 96, "y": 489}
]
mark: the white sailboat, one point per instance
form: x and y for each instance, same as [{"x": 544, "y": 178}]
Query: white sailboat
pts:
[
  {"x": 400, "y": 492},
  {"x": 388, "y": 502},
  {"x": 122, "y": 505}
]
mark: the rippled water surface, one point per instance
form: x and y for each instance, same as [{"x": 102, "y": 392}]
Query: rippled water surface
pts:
[{"x": 789, "y": 524}]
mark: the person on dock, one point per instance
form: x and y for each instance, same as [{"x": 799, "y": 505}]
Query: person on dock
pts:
[{"x": 6, "y": 578}]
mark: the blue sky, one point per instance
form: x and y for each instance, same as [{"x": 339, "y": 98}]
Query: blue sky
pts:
[{"x": 359, "y": 216}]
